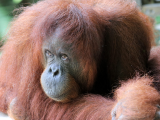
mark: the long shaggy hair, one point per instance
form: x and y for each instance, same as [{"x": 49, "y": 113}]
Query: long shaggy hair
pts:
[{"x": 113, "y": 35}]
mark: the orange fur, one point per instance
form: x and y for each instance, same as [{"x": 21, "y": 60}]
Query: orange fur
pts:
[
  {"x": 137, "y": 99},
  {"x": 113, "y": 40}
]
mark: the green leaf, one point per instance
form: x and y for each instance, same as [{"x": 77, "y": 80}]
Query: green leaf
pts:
[{"x": 17, "y": 1}]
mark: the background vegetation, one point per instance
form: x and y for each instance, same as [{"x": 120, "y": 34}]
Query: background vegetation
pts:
[{"x": 6, "y": 13}]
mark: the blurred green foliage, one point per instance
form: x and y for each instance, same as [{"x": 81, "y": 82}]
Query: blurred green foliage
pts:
[
  {"x": 6, "y": 12},
  {"x": 157, "y": 19}
]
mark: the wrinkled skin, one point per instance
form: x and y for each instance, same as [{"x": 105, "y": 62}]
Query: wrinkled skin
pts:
[{"x": 61, "y": 77}]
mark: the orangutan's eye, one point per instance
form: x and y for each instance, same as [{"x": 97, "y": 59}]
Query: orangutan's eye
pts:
[
  {"x": 48, "y": 54},
  {"x": 64, "y": 57}
]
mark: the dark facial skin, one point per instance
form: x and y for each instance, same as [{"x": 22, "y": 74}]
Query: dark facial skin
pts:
[{"x": 62, "y": 75}]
